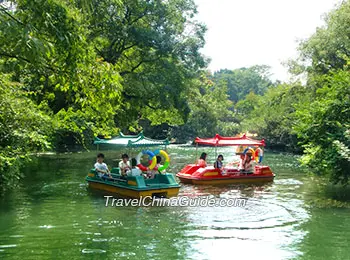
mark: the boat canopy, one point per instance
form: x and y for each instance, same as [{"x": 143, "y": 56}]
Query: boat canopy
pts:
[
  {"x": 229, "y": 141},
  {"x": 131, "y": 141}
]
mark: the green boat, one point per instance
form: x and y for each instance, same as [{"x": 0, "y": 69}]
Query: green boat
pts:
[{"x": 163, "y": 184}]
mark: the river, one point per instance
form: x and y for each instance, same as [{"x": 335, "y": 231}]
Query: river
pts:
[{"x": 52, "y": 215}]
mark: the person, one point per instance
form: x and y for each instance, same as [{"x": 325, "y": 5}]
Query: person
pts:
[
  {"x": 124, "y": 164},
  {"x": 135, "y": 171},
  {"x": 202, "y": 160},
  {"x": 101, "y": 167},
  {"x": 241, "y": 163},
  {"x": 152, "y": 173},
  {"x": 218, "y": 164},
  {"x": 248, "y": 164}
]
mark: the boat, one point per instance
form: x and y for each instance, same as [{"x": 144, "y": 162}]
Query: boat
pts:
[
  {"x": 163, "y": 184},
  {"x": 199, "y": 175}
]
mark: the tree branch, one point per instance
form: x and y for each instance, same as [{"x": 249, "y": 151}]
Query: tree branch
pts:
[
  {"x": 3, "y": 9},
  {"x": 14, "y": 56},
  {"x": 4, "y": 54},
  {"x": 135, "y": 67},
  {"x": 129, "y": 97},
  {"x": 132, "y": 69},
  {"x": 152, "y": 107}
]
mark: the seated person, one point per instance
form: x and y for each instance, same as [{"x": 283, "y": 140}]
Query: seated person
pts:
[
  {"x": 124, "y": 164},
  {"x": 248, "y": 164},
  {"x": 241, "y": 162},
  {"x": 152, "y": 173},
  {"x": 135, "y": 171},
  {"x": 202, "y": 160},
  {"x": 101, "y": 167},
  {"x": 218, "y": 164}
]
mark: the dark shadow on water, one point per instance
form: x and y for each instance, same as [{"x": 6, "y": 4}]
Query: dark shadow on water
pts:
[{"x": 338, "y": 192}]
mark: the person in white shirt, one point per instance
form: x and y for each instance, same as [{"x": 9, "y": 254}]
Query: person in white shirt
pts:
[
  {"x": 101, "y": 167},
  {"x": 124, "y": 164},
  {"x": 135, "y": 171}
]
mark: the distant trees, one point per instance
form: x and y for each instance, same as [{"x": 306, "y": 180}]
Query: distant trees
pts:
[
  {"x": 220, "y": 101},
  {"x": 240, "y": 82}
]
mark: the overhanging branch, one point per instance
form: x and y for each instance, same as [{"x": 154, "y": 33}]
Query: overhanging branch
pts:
[{"x": 136, "y": 66}]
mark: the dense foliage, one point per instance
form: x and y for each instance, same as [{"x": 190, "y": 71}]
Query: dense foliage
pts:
[
  {"x": 24, "y": 128},
  {"x": 94, "y": 68},
  {"x": 323, "y": 125}
]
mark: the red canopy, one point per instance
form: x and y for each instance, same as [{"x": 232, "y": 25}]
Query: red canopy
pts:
[{"x": 229, "y": 141}]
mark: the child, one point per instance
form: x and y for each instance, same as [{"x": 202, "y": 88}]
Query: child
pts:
[
  {"x": 124, "y": 164},
  {"x": 151, "y": 174},
  {"x": 101, "y": 167},
  {"x": 135, "y": 171}
]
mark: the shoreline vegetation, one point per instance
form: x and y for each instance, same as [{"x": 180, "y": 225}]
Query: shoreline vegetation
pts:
[{"x": 72, "y": 70}]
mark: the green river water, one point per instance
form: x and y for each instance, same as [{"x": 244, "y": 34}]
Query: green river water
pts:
[{"x": 53, "y": 215}]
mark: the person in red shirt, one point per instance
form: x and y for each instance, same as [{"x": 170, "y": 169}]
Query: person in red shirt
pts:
[{"x": 202, "y": 160}]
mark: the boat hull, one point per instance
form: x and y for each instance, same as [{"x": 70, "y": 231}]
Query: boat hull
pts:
[
  {"x": 193, "y": 174},
  {"x": 167, "y": 192},
  {"x": 225, "y": 180}
]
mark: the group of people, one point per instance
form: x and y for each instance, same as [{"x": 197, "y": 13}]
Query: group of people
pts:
[
  {"x": 125, "y": 168},
  {"x": 245, "y": 163}
]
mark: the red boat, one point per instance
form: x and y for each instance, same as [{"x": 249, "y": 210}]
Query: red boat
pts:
[{"x": 196, "y": 174}]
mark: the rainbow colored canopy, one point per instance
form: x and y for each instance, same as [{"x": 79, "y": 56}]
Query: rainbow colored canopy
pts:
[{"x": 229, "y": 141}]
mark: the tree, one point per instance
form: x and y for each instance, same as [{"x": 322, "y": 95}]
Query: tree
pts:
[
  {"x": 24, "y": 128},
  {"x": 44, "y": 46},
  {"x": 155, "y": 44},
  {"x": 323, "y": 126},
  {"x": 241, "y": 82}
]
